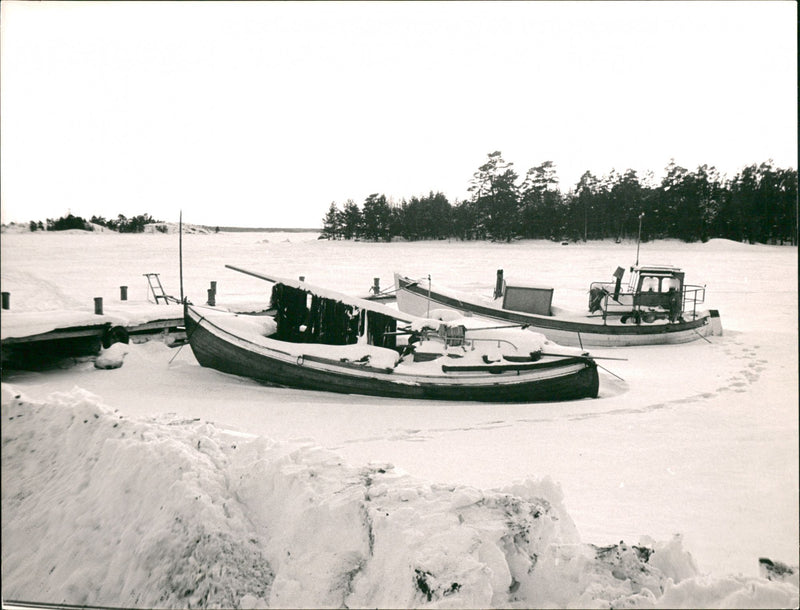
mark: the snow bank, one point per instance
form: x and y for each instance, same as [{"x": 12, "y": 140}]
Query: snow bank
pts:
[
  {"x": 111, "y": 358},
  {"x": 726, "y": 245},
  {"x": 15, "y": 227},
  {"x": 18, "y": 228},
  {"x": 171, "y": 513},
  {"x": 174, "y": 227},
  {"x": 32, "y": 293}
]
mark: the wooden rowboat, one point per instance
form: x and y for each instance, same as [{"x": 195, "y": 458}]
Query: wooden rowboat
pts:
[{"x": 321, "y": 340}]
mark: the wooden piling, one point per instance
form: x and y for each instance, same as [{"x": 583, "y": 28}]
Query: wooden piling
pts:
[
  {"x": 123, "y": 293},
  {"x": 98, "y": 306},
  {"x": 498, "y": 287},
  {"x": 6, "y": 300},
  {"x": 376, "y": 285},
  {"x": 212, "y": 297}
]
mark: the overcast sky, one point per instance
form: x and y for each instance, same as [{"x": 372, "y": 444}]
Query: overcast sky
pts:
[{"x": 262, "y": 114}]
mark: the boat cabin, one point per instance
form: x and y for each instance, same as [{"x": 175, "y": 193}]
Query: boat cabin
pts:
[
  {"x": 654, "y": 292},
  {"x": 657, "y": 286}
]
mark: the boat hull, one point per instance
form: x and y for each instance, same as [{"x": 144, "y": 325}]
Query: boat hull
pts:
[
  {"x": 566, "y": 379},
  {"x": 416, "y": 299}
]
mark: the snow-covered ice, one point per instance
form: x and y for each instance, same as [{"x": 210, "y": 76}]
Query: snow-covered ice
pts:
[{"x": 161, "y": 483}]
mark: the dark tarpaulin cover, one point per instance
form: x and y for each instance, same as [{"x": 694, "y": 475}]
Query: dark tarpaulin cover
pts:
[{"x": 327, "y": 321}]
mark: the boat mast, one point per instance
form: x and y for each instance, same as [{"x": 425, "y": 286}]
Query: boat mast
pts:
[{"x": 639, "y": 239}]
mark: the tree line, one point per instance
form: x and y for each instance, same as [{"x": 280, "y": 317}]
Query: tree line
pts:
[
  {"x": 121, "y": 224},
  {"x": 757, "y": 205}
]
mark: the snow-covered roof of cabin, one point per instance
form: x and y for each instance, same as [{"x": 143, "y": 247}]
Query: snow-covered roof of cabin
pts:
[{"x": 656, "y": 269}]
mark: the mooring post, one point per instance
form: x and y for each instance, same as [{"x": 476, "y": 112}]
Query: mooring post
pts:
[
  {"x": 98, "y": 306},
  {"x": 6, "y": 300},
  {"x": 376, "y": 285},
  {"x": 302, "y": 278},
  {"x": 498, "y": 286},
  {"x": 123, "y": 293},
  {"x": 212, "y": 297}
]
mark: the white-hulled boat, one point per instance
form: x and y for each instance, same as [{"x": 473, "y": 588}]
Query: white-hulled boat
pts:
[{"x": 656, "y": 308}]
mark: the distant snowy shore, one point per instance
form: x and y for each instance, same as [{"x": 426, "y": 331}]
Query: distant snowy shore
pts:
[
  {"x": 211, "y": 518},
  {"x": 155, "y": 227},
  {"x": 17, "y": 228}
]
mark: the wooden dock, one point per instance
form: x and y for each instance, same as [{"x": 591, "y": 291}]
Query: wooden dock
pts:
[{"x": 35, "y": 340}]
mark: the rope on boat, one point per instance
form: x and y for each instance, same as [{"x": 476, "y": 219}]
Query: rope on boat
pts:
[
  {"x": 388, "y": 291},
  {"x": 609, "y": 372},
  {"x": 187, "y": 340},
  {"x": 499, "y": 341},
  {"x": 701, "y": 336}
]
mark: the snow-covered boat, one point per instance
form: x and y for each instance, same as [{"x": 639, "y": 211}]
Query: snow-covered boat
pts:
[
  {"x": 321, "y": 340},
  {"x": 657, "y": 307}
]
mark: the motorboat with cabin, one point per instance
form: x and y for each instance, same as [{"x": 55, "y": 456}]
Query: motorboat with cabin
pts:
[{"x": 655, "y": 307}]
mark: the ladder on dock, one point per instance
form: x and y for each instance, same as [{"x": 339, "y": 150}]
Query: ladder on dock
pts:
[{"x": 154, "y": 281}]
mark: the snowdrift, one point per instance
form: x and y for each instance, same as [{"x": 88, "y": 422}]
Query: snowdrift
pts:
[
  {"x": 174, "y": 228},
  {"x": 103, "y": 509}
]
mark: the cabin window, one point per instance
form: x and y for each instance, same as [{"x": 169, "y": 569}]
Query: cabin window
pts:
[
  {"x": 650, "y": 284},
  {"x": 670, "y": 283}
]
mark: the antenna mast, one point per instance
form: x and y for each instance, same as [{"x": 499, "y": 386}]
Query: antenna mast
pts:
[
  {"x": 180, "y": 250},
  {"x": 639, "y": 239}
]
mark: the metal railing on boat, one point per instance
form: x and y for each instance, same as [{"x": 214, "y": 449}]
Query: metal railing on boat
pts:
[{"x": 649, "y": 306}]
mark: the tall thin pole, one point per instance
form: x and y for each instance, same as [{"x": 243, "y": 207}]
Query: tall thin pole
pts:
[
  {"x": 428, "y": 315},
  {"x": 639, "y": 239},
  {"x": 180, "y": 249}
]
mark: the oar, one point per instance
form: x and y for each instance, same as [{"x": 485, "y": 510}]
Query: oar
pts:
[
  {"x": 593, "y": 358},
  {"x": 589, "y": 356},
  {"x": 523, "y": 326}
]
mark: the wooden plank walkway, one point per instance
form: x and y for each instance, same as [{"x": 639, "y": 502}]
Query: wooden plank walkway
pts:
[{"x": 33, "y": 339}]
